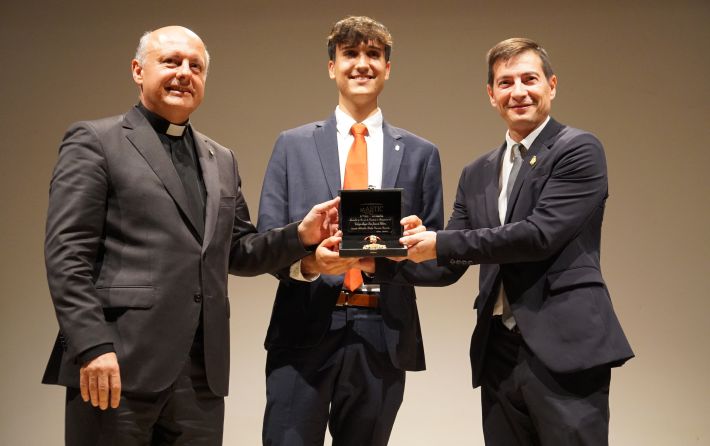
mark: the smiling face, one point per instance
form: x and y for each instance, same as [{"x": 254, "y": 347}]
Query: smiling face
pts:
[
  {"x": 171, "y": 75},
  {"x": 521, "y": 93},
  {"x": 360, "y": 71}
]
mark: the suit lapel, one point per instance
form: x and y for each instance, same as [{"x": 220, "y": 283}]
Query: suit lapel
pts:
[
  {"x": 392, "y": 153},
  {"x": 210, "y": 176},
  {"x": 146, "y": 141},
  {"x": 492, "y": 182},
  {"x": 538, "y": 149},
  {"x": 326, "y": 140}
]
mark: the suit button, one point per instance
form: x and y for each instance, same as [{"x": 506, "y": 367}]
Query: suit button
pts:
[{"x": 197, "y": 297}]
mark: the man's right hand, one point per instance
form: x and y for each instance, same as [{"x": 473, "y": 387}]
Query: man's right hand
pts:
[
  {"x": 326, "y": 260},
  {"x": 318, "y": 224},
  {"x": 100, "y": 381}
]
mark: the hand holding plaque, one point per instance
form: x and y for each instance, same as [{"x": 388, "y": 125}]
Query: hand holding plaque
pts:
[{"x": 370, "y": 222}]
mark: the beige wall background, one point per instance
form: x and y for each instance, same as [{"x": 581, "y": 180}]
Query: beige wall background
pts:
[{"x": 635, "y": 73}]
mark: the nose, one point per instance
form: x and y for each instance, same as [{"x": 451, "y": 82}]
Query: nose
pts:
[
  {"x": 183, "y": 70},
  {"x": 362, "y": 62},
  {"x": 519, "y": 90}
]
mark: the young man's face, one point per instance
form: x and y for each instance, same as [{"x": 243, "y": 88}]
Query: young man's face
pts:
[
  {"x": 360, "y": 72},
  {"x": 521, "y": 93}
]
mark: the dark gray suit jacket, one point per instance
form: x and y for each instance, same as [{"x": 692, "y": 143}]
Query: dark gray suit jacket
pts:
[
  {"x": 546, "y": 256},
  {"x": 125, "y": 264},
  {"x": 304, "y": 169}
]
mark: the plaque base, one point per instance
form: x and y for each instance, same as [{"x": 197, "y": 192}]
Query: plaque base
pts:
[{"x": 356, "y": 247}]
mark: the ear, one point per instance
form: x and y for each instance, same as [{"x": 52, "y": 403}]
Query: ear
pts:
[
  {"x": 553, "y": 86},
  {"x": 387, "y": 70},
  {"x": 137, "y": 71},
  {"x": 489, "y": 89},
  {"x": 331, "y": 69}
]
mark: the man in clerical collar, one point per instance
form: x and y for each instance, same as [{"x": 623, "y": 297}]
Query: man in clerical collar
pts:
[
  {"x": 339, "y": 344},
  {"x": 146, "y": 218}
]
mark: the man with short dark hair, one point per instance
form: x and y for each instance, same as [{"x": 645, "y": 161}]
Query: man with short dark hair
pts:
[
  {"x": 338, "y": 344},
  {"x": 530, "y": 213},
  {"x": 146, "y": 218}
]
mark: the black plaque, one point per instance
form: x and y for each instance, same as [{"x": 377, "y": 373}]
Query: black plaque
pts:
[{"x": 369, "y": 219}]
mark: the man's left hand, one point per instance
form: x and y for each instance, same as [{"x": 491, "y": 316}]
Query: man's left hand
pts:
[
  {"x": 320, "y": 223},
  {"x": 420, "y": 246},
  {"x": 412, "y": 225}
]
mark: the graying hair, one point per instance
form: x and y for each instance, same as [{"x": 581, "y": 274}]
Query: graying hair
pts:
[{"x": 143, "y": 49}]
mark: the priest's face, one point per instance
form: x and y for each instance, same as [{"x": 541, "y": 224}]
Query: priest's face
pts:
[{"x": 172, "y": 73}]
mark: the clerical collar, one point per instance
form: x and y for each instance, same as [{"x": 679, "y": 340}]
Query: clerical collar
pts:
[{"x": 160, "y": 124}]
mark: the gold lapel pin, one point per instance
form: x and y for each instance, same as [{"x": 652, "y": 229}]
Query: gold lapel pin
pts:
[{"x": 533, "y": 160}]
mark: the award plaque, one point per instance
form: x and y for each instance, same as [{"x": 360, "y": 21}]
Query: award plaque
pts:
[{"x": 369, "y": 219}]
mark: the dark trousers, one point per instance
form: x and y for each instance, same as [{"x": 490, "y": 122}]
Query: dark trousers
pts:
[
  {"x": 526, "y": 404},
  {"x": 186, "y": 413},
  {"x": 346, "y": 382}
]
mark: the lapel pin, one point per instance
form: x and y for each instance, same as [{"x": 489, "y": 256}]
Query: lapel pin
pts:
[
  {"x": 533, "y": 160},
  {"x": 396, "y": 148},
  {"x": 211, "y": 153}
]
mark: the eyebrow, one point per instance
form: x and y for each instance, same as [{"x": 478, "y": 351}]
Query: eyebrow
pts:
[
  {"x": 177, "y": 54},
  {"x": 353, "y": 47},
  {"x": 525, "y": 73}
]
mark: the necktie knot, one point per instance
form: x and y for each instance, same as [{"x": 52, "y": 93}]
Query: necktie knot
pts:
[
  {"x": 358, "y": 129},
  {"x": 518, "y": 151}
]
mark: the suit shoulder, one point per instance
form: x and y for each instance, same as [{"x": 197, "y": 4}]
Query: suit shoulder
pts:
[
  {"x": 302, "y": 131},
  {"x": 97, "y": 135},
  {"x": 572, "y": 143},
  {"x": 408, "y": 136},
  {"x": 571, "y": 136},
  {"x": 99, "y": 126}
]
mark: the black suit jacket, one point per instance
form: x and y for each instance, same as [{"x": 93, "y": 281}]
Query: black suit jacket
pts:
[
  {"x": 546, "y": 255},
  {"x": 125, "y": 264},
  {"x": 304, "y": 169}
]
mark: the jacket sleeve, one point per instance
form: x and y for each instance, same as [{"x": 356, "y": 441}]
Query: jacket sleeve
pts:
[
  {"x": 429, "y": 273},
  {"x": 575, "y": 188},
  {"x": 255, "y": 253},
  {"x": 73, "y": 241},
  {"x": 273, "y": 205}
]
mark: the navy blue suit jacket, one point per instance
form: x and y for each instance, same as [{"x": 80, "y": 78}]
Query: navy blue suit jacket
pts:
[
  {"x": 546, "y": 255},
  {"x": 304, "y": 170}
]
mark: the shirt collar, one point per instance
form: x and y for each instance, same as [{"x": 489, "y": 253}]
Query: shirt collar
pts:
[
  {"x": 344, "y": 121},
  {"x": 528, "y": 141},
  {"x": 162, "y": 125}
]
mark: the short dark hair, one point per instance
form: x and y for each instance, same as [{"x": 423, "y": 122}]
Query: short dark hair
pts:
[
  {"x": 512, "y": 47},
  {"x": 353, "y": 30}
]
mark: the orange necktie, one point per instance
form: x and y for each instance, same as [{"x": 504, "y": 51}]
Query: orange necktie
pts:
[{"x": 356, "y": 178}]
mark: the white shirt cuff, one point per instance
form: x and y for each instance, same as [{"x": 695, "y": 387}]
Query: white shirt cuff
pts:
[{"x": 296, "y": 274}]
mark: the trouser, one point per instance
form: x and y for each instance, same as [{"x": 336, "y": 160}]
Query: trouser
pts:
[
  {"x": 346, "y": 382},
  {"x": 524, "y": 403},
  {"x": 186, "y": 413}
]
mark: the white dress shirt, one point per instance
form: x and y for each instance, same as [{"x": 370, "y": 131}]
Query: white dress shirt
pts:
[
  {"x": 374, "y": 140},
  {"x": 375, "y": 150},
  {"x": 501, "y": 306}
]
